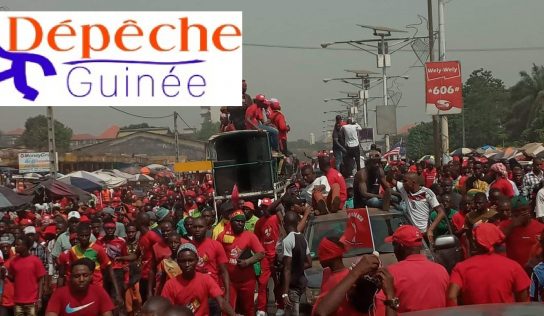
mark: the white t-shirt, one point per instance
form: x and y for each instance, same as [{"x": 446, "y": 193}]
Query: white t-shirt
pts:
[
  {"x": 419, "y": 205},
  {"x": 351, "y": 135},
  {"x": 307, "y": 192},
  {"x": 539, "y": 209}
]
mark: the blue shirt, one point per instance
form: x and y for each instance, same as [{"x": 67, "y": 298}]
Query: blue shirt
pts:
[{"x": 537, "y": 282}]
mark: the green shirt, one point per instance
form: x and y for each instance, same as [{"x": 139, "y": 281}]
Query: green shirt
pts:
[
  {"x": 442, "y": 228},
  {"x": 250, "y": 223}
]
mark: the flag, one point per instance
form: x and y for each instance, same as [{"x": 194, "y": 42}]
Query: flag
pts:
[
  {"x": 396, "y": 150},
  {"x": 235, "y": 197},
  {"x": 358, "y": 232}
]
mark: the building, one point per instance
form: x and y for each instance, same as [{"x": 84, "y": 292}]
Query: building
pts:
[
  {"x": 210, "y": 113},
  {"x": 312, "y": 139},
  {"x": 10, "y": 138}
]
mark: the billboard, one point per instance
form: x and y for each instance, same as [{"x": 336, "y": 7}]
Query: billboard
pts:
[
  {"x": 33, "y": 162},
  {"x": 386, "y": 120},
  {"x": 443, "y": 86}
]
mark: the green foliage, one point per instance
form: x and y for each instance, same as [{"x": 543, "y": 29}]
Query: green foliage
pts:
[
  {"x": 35, "y": 134},
  {"x": 420, "y": 140},
  {"x": 207, "y": 129}
]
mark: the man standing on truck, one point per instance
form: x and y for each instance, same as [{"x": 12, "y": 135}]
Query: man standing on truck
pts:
[{"x": 255, "y": 120}]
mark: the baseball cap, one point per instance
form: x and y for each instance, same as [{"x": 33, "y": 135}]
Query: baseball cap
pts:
[
  {"x": 161, "y": 213},
  {"x": 25, "y": 222},
  {"x": 109, "y": 211},
  {"x": 74, "y": 214},
  {"x": 406, "y": 235},
  {"x": 266, "y": 202},
  {"x": 260, "y": 97},
  {"x": 29, "y": 230},
  {"x": 249, "y": 205},
  {"x": 5, "y": 240}
]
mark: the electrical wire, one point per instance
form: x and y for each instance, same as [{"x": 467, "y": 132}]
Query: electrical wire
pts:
[
  {"x": 462, "y": 50},
  {"x": 142, "y": 116}
]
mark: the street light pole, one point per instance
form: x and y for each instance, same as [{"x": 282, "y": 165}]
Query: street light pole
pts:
[
  {"x": 53, "y": 163},
  {"x": 444, "y": 133},
  {"x": 176, "y": 135}
]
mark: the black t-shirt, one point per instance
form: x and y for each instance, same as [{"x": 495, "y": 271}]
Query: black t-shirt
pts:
[
  {"x": 296, "y": 247},
  {"x": 237, "y": 114}
]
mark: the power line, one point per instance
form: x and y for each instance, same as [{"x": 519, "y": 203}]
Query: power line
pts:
[
  {"x": 142, "y": 116},
  {"x": 465, "y": 50}
]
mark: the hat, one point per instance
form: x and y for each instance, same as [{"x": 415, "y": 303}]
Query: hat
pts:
[
  {"x": 237, "y": 215},
  {"x": 5, "y": 240},
  {"x": 275, "y": 104},
  {"x": 406, "y": 235},
  {"x": 499, "y": 168},
  {"x": 519, "y": 202},
  {"x": 190, "y": 193},
  {"x": 328, "y": 250},
  {"x": 25, "y": 222},
  {"x": 260, "y": 97},
  {"x": 161, "y": 213},
  {"x": 74, "y": 214},
  {"x": 29, "y": 230},
  {"x": 84, "y": 219},
  {"x": 50, "y": 230},
  {"x": 187, "y": 246},
  {"x": 249, "y": 205},
  {"x": 488, "y": 235},
  {"x": 151, "y": 215},
  {"x": 109, "y": 211},
  {"x": 266, "y": 202}
]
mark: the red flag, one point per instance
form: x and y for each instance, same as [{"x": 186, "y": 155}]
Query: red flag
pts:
[
  {"x": 358, "y": 233},
  {"x": 235, "y": 197}
]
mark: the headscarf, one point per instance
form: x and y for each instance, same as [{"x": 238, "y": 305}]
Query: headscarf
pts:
[
  {"x": 328, "y": 250},
  {"x": 237, "y": 215},
  {"x": 500, "y": 169},
  {"x": 488, "y": 236}
]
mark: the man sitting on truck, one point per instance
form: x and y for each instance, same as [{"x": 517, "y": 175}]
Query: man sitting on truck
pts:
[
  {"x": 318, "y": 192},
  {"x": 255, "y": 120}
]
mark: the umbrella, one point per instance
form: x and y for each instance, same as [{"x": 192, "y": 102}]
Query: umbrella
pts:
[
  {"x": 32, "y": 176},
  {"x": 145, "y": 170},
  {"x": 131, "y": 170},
  {"x": 57, "y": 189},
  {"x": 461, "y": 151},
  {"x": 111, "y": 180},
  {"x": 484, "y": 150},
  {"x": 532, "y": 149},
  {"x": 9, "y": 199},
  {"x": 156, "y": 167},
  {"x": 426, "y": 157},
  {"x": 83, "y": 184},
  {"x": 85, "y": 175},
  {"x": 141, "y": 178}
]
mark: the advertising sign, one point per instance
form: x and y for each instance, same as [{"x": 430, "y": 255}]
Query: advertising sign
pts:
[
  {"x": 130, "y": 58},
  {"x": 443, "y": 85},
  {"x": 33, "y": 162}
]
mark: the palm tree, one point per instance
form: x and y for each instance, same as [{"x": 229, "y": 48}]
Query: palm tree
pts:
[{"x": 527, "y": 97}]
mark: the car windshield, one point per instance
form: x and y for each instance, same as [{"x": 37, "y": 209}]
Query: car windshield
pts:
[{"x": 383, "y": 225}]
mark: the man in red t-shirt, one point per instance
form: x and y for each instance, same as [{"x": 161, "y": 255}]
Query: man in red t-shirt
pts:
[
  {"x": 278, "y": 119},
  {"x": 411, "y": 269},
  {"x": 193, "y": 289},
  {"x": 521, "y": 231},
  {"x": 267, "y": 230},
  {"x": 339, "y": 192},
  {"x": 27, "y": 274},
  {"x": 239, "y": 244},
  {"x": 488, "y": 277},
  {"x": 255, "y": 120},
  {"x": 115, "y": 247},
  {"x": 145, "y": 250},
  {"x": 429, "y": 174},
  {"x": 80, "y": 297},
  {"x": 212, "y": 259}
]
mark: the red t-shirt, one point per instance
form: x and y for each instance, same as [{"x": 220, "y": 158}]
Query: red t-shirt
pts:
[
  {"x": 333, "y": 176},
  {"x": 522, "y": 240},
  {"x": 278, "y": 119},
  {"x": 210, "y": 255},
  {"x": 504, "y": 186},
  {"x": 345, "y": 307},
  {"x": 97, "y": 254},
  {"x": 7, "y": 295},
  {"x": 65, "y": 303},
  {"x": 117, "y": 247},
  {"x": 161, "y": 251},
  {"x": 458, "y": 220},
  {"x": 489, "y": 279},
  {"x": 409, "y": 288},
  {"x": 267, "y": 230},
  {"x": 64, "y": 261},
  {"x": 192, "y": 293},
  {"x": 234, "y": 247},
  {"x": 146, "y": 249},
  {"x": 26, "y": 272},
  {"x": 429, "y": 177},
  {"x": 255, "y": 114}
]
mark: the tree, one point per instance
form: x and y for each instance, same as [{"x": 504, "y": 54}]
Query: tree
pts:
[
  {"x": 35, "y": 134},
  {"x": 207, "y": 129},
  {"x": 420, "y": 140},
  {"x": 485, "y": 110},
  {"x": 527, "y": 113}
]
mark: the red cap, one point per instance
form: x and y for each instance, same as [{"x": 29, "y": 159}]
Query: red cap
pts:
[
  {"x": 84, "y": 219},
  {"x": 50, "y": 230},
  {"x": 328, "y": 250},
  {"x": 260, "y": 97},
  {"x": 266, "y": 202},
  {"x": 200, "y": 199},
  {"x": 249, "y": 205},
  {"x": 275, "y": 105},
  {"x": 25, "y": 222},
  {"x": 190, "y": 193},
  {"x": 406, "y": 235}
]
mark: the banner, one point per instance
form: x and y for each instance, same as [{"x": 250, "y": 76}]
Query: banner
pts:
[
  {"x": 33, "y": 162},
  {"x": 443, "y": 86},
  {"x": 358, "y": 232}
]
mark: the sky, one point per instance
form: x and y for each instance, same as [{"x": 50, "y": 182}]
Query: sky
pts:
[{"x": 474, "y": 32}]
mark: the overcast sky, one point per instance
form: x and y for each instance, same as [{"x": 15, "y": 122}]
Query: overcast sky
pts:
[{"x": 294, "y": 76}]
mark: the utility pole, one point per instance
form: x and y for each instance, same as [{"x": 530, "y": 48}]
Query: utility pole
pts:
[
  {"x": 176, "y": 135},
  {"x": 436, "y": 121},
  {"x": 444, "y": 133},
  {"x": 51, "y": 142}
]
